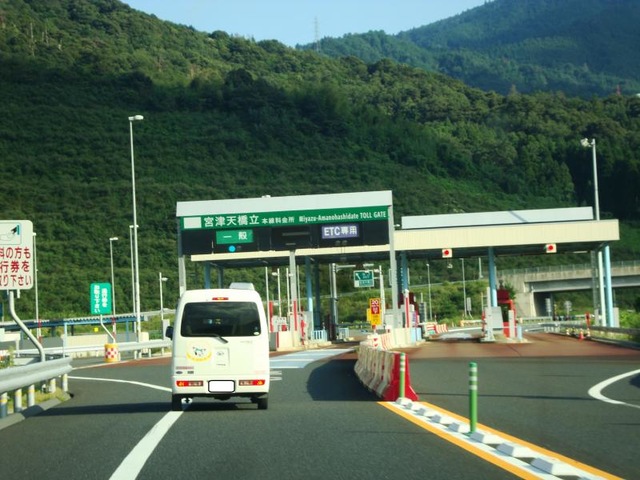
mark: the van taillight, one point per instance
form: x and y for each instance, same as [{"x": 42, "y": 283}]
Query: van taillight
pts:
[
  {"x": 251, "y": 383},
  {"x": 189, "y": 383},
  {"x": 220, "y": 299}
]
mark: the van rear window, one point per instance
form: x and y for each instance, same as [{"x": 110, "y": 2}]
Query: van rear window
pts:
[{"x": 226, "y": 319}]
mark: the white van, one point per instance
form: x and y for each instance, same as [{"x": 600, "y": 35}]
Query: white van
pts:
[{"x": 220, "y": 347}]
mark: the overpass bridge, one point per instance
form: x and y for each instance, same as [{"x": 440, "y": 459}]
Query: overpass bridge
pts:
[{"x": 533, "y": 286}]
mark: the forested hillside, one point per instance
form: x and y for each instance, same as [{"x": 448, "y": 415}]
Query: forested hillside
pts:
[
  {"x": 579, "y": 47},
  {"x": 228, "y": 117}
]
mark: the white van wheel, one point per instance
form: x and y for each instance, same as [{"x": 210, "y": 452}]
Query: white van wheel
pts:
[{"x": 263, "y": 403}]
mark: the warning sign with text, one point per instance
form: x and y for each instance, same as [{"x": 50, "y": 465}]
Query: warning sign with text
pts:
[{"x": 16, "y": 255}]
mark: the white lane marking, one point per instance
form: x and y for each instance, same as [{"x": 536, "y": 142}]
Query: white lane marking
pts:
[
  {"x": 148, "y": 385},
  {"x": 133, "y": 463},
  {"x": 304, "y": 358},
  {"x": 596, "y": 390}
]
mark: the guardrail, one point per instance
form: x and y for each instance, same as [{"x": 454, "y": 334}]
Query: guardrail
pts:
[
  {"x": 615, "y": 334},
  {"x": 319, "y": 336},
  {"x": 28, "y": 373},
  {"x": 142, "y": 347},
  {"x": 14, "y": 379}
]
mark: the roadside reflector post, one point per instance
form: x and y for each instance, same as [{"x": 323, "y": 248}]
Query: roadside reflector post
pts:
[
  {"x": 473, "y": 396},
  {"x": 403, "y": 369}
]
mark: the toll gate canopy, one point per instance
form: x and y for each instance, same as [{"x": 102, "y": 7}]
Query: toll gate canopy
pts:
[{"x": 265, "y": 230}]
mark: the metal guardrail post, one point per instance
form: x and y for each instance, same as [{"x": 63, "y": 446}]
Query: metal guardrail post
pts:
[
  {"x": 31, "y": 395},
  {"x": 4, "y": 405},
  {"x": 17, "y": 401}
]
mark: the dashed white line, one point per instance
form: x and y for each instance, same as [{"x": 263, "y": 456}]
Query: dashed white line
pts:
[{"x": 133, "y": 463}]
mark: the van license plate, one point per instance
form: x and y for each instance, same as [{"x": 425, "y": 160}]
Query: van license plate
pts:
[{"x": 225, "y": 386}]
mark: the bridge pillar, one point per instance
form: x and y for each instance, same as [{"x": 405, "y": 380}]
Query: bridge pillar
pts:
[{"x": 611, "y": 322}]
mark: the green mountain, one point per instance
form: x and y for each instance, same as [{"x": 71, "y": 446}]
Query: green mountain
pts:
[
  {"x": 228, "y": 117},
  {"x": 579, "y": 47}
]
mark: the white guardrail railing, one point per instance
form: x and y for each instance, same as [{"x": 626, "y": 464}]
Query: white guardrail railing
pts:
[
  {"x": 15, "y": 379},
  {"x": 143, "y": 347},
  {"x": 28, "y": 372}
]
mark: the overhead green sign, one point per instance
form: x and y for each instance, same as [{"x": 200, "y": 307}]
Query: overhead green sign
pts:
[{"x": 284, "y": 218}]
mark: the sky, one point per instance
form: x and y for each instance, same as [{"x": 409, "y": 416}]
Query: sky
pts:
[{"x": 302, "y": 21}]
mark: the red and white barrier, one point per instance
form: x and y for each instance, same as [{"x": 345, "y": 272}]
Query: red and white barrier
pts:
[
  {"x": 382, "y": 341},
  {"x": 379, "y": 370},
  {"x": 433, "y": 328}
]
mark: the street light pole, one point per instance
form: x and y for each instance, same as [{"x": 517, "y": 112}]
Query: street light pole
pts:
[
  {"x": 429, "y": 290},
  {"x": 133, "y": 282},
  {"x": 35, "y": 284},
  {"x": 277, "y": 274},
  {"x": 464, "y": 292},
  {"x": 160, "y": 280},
  {"x": 136, "y": 262},
  {"x": 113, "y": 284},
  {"x": 592, "y": 144}
]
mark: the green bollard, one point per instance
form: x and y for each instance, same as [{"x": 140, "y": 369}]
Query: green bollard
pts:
[{"x": 473, "y": 396}]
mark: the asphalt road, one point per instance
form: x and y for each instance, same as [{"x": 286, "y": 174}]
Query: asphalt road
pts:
[
  {"x": 321, "y": 423},
  {"x": 539, "y": 392}
]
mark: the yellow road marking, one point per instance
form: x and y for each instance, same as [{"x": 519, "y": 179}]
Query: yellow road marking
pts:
[{"x": 488, "y": 457}]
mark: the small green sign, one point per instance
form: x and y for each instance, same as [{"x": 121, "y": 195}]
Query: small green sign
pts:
[
  {"x": 230, "y": 237},
  {"x": 100, "y": 298},
  {"x": 363, "y": 278}
]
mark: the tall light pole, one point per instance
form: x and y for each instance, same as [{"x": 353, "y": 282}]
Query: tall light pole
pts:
[
  {"x": 35, "y": 284},
  {"x": 592, "y": 144},
  {"x": 113, "y": 284},
  {"x": 161, "y": 279},
  {"x": 429, "y": 290},
  {"x": 133, "y": 281},
  {"x": 277, "y": 274},
  {"x": 136, "y": 262},
  {"x": 464, "y": 291},
  {"x": 585, "y": 142}
]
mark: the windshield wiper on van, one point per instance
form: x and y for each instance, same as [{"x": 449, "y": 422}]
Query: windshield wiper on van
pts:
[{"x": 219, "y": 337}]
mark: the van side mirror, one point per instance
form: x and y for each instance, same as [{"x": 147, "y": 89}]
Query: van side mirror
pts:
[{"x": 169, "y": 332}]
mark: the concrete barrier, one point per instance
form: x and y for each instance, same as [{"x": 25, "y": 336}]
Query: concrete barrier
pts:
[{"x": 379, "y": 369}]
